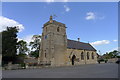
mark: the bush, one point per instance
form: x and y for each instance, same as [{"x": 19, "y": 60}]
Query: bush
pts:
[
  {"x": 23, "y": 65},
  {"x": 118, "y": 56}
]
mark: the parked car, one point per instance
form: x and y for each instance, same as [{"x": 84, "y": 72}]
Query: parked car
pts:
[
  {"x": 102, "y": 60},
  {"x": 118, "y": 61}
]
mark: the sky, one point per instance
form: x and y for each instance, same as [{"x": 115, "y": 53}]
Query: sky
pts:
[{"x": 93, "y": 22}]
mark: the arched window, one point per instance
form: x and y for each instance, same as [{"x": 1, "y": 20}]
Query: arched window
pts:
[
  {"x": 58, "y": 29},
  {"x": 82, "y": 56},
  {"x": 87, "y": 55},
  {"x": 92, "y": 55},
  {"x": 45, "y": 55}
]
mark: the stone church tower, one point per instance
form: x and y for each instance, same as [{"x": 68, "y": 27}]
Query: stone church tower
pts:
[{"x": 53, "y": 44}]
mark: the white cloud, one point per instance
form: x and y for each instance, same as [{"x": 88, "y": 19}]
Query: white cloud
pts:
[
  {"x": 49, "y": 0},
  {"x": 28, "y": 38},
  {"x": 67, "y": 9},
  {"x": 90, "y": 16},
  {"x": 56, "y": 1},
  {"x": 117, "y": 48},
  {"x": 19, "y": 39},
  {"x": 94, "y": 16},
  {"x": 115, "y": 40},
  {"x": 4, "y": 22},
  {"x": 96, "y": 43},
  {"x": 65, "y": 0}
]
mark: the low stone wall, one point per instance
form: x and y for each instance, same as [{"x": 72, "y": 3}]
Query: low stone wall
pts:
[
  {"x": 113, "y": 60},
  {"x": 12, "y": 67}
]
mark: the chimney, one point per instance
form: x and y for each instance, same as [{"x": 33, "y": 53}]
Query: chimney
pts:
[{"x": 78, "y": 39}]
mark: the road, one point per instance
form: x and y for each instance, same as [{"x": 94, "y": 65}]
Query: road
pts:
[{"x": 108, "y": 70}]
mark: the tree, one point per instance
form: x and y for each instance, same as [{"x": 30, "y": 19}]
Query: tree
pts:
[
  {"x": 22, "y": 48},
  {"x": 34, "y": 53},
  {"x": 35, "y": 46},
  {"x": 112, "y": 54},
  {"x": 107, "y": 55},
  {"x": 115, "y": 53},
  {"x": 9, "y": 41}
]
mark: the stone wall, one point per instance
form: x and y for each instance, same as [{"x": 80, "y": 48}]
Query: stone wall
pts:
[
  {"x": 113, "y": 60},
  {"x": 53, "y": 44},
  {"x": 78, "y": 60}
]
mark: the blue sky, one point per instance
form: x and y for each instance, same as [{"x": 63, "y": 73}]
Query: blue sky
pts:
[{"x": 93, "y": 22}]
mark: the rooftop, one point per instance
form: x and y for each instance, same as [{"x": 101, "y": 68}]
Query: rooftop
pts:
[
  {"x": 51, "y": 21},
  {"x": 71, "y": 44}
]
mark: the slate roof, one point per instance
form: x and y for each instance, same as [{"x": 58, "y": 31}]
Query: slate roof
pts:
[
  {"x": 71, "y": 44},
  {"x": 54, "y": 22}
]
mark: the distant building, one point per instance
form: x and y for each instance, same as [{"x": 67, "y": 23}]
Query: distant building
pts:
[{"x": 57, "y": 50}]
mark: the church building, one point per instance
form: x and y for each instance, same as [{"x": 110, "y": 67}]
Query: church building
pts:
[{"x": 57, "y": 50}]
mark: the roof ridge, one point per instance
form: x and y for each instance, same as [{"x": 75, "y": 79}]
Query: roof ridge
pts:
[
  {"x": 54, "y": 22},
  {"x": 91, "y": 46},
  {"x": 77, "y": 41}
]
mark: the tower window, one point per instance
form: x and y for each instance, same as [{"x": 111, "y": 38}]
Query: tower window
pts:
[
  {"x": 58, "y": 29},
  {"x": 45, "y": 55},
  {"x": 45, "y": 36}
]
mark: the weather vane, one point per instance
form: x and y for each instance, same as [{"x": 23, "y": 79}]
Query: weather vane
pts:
[{"x": 54, "y": 16}]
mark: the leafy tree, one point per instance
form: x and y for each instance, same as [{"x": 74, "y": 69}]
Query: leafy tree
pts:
[
  {"x": 22, "y": 48},
  {"x": 9, "y": 41},
  {"x": 112, "y": 54},
  {"x": 35, "y": 46},
  {"x": 115, "y": 53},
  {"x": 34, "y": 53}
]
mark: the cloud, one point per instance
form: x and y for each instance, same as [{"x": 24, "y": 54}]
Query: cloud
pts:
[
  {"x": 28, "y": 38},
  {"x": 65, "y": 0},
  {"x": 115, "y": 40},
  {"x": 49, "y": 0},
  {"x": 19, "y": 39},
  {"x": 96, "y": 43},
  {"x": 67, "y": 9},
  {"x": 6, "y": 22},
  {"x": 90, "y": 16},
  {"x": 116, "y": 48},
  {"x": 56, "y": 1},
  {"x": 94, "y": 16}
]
